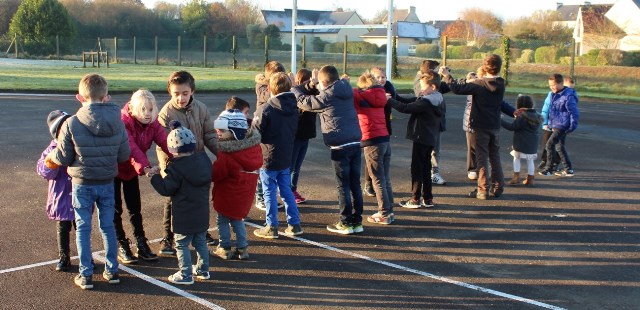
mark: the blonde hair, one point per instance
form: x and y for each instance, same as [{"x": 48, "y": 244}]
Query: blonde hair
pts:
[
  {"x": 93, "y": 86},
  {"x": 279, "y": 83},
  {"x": 366, "y": 80},
  {"x": 138, "y": 101}
]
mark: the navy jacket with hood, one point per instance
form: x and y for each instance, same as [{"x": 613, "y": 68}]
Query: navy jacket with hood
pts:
[
  {"x": 277, "y": 121},
  {"x": 487, "y": 95}
]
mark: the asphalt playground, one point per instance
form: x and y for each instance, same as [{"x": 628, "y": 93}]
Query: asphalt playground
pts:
[{"x": 567, "y": 243}]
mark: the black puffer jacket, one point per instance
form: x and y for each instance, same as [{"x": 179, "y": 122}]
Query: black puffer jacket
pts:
[
  {"x": 526, "y": 129},
  {"x": 188, "y": 183},
  {"x": 424, "y": 123},
  {"x": 277, "y": 122}
]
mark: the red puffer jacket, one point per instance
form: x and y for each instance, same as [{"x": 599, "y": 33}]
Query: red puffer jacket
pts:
[
  {"x": 140, "y": 139},
  {"x": 370, "y": 107},
  {"x": 235, "y": 175}
]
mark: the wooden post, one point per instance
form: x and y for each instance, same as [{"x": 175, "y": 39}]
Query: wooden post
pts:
[
  {"x": 266, "y": 49},
  {"x": 444, "y": 51},
  {"x": 135, "y": 56},
  {"x": 179, "y": 51},
  {"x": 156, "y": 49},
  {"x": 99, "y": 53},
  {"x": 394, "y": 57},
  {"x": 303, "y": 60},
  {"x": 106, "y": 58},
  {"x": 15, "y": 48},
  {"x": 57, "y": 47},
  {"x": 204, "y": 60},
  {"x": 115, "y": 49},
  {"x": 233, "y": 52},
  {"x": 573, "y": 60},
  {"x": 344, "y": 56},
  {"x": 84, "y": 63}
]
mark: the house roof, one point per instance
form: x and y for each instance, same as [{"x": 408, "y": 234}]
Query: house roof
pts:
[
  {"x": 282, "y": 19},
  {"x": 417, "y": 31},
  {"x": 595, "y": 21},
  {"x": 569, "y": 12},
  {"x": 400, "y": 15},
  {"x": 442, "y": 24}
]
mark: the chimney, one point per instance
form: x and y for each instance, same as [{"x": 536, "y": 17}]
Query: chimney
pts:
[
  {"x": 587, "y": 3},
  {"x": 558, "y": 5},
  {"x": 412, "y": 10}
]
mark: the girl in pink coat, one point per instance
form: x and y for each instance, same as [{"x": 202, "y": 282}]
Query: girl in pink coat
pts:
[{"x": 139, "y": 116}]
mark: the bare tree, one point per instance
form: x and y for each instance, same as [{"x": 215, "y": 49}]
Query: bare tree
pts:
[{"x": 482, "y": 25}]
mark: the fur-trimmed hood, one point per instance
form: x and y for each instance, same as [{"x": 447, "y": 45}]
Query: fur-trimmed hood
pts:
[
  {"x": 229, "y": 146},
  {"x": 530, "y": 115}
]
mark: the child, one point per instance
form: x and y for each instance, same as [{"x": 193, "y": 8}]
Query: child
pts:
[
  {"x": 96, "y": 126},
  {"x": 525, "y": 138},
  {"x": 238, "y": 104},
  {"x": 59, "y": 206},
  {"x": 277, "y": 121},
  {"x": 194, "y": 116},
  {"x": 235, "y": 177},
  {"x": 370, "y": 100},
  {"x": 262, "y": 95},
  {"x": 139, "y": 116},
  {"x": 422, "y": 128},
  {"x": 187, "y": 181},
  {"x": 472, "y": 170},
  {"x": 306, "y": 131},
  {"x": 341, "y": 133},
  {"x": 488, "y": 95}
]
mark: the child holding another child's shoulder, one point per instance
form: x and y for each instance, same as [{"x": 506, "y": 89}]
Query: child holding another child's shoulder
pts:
[
  {"x": 526, "y": 128},
  {"x": 187, "y": 181}
]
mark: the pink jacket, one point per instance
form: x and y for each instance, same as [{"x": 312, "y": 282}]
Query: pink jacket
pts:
[{"x": 140, "y": 138}]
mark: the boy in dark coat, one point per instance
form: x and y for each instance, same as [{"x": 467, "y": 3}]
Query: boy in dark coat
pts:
[{"x": 187, "y": 181}]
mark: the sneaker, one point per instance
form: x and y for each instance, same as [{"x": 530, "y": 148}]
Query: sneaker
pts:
[
  {"x": 64, "y": 264},
  {"x": 112, "y": 278},
  {"x": 85, "y": 283},
  {"x": 293, "y": 230},
  {"x": 565, "y": 173},
  {"x": 260, "y": 205},
  {"x": 144, "y": 251},
  {"x": 368, "y": 190},
  {"x": 472, "y": 175},
  {"x": 357, "y": 228},
  {"x": 267, "y": 231},
  {"x": 542, "y": 165},
  {"x": 340, "y": 228},
  {"x": 125, "y": 255},
  {"x": 378, "y": 218},
  {"x": 427, "y": 203},
  {"x": 496, "y": 192},
  {"x": 546, "y": 173},
  {"x": 200, "y": 274},
  {"x": 166, "y": 247},
  {"x": 437, "y": 179},
  {"x": 179, "y": 278},
  {"x": 223, "y": 253},
  {"x": 210, "y": 240},
  {"x": 410, "y": 204},
  {"x": 242, "y": 253},
  {"x": 299, "y": 199}
]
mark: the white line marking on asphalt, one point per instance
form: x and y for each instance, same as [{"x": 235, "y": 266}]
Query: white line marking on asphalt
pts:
[
  {"x": 34, "y": 95},
  {"x": 422, "y": 273},
  {"x": 165, "y": 286}
]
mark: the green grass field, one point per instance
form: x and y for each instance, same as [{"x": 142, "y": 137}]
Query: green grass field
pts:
[{"x": 607, "y": 83}]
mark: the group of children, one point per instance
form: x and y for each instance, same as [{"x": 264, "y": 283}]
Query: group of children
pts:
[{"x": 97, "y": 155}]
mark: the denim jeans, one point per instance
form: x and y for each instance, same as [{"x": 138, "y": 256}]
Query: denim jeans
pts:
[
  {"x": 377, "y": 160},
  {"x": 555, "y": 144},
  {"x": 272, "y": 180},
  {"x": 546, "y": 134},
  {"x": 225, "y": 232},
  {"x": 346, "y": 163},
  {"x": 300, "y": 147},
  {"x": 488, "y": 152},
  {"x": 421, "y": 185},
  {"x": 184, "y": 254},
  {"x": 84, "y": 197}
]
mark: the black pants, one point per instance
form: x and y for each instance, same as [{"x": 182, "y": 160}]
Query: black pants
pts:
[
  {"x": 166, "y": 219},
  {"x": 421, "y": 171},
  {"x": 64, "y": 229},
  {"x": 543, "y": 158},
  {"x": 131, "y": 192}
]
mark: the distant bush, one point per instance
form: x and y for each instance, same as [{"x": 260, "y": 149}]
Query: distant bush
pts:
[
  {"x": 526, "y": 57},
  {"x": 588, "y": 59},
  {"x": 609, "y": 57},
  {"x": 631, "y": 59},
  {"x": 461, "y": 52},
  {"x": 514, "y": 53},
  {"x": 566, "y": 60},
  {"x": 318, "y": 44},
  {"x": 479, "y": 55},
  {"x": 547, "y": 55},
  {"x": 428, "y": 51},
  {"x": 360, "y": 47}
]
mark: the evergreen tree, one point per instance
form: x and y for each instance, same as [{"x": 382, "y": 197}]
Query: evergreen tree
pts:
[{"x": 37, "y": 22}]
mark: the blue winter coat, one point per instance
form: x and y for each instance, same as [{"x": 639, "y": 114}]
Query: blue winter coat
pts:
[{"x": 563, "y": 110}]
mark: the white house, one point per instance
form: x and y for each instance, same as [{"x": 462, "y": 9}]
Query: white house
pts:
[{"x": 282, "y": 19}]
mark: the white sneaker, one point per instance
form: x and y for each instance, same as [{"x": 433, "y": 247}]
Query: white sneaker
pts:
[
  {"x": 260, "y": 205},
  {"x": 437, "y": 179},
  {"x": 472, "y": 175}
]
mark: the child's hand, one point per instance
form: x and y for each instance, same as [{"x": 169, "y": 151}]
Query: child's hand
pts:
[
  {"x": 346, "y": 77},
  {"x": 151, "y": 171},
  {"x": 292, "y": 78},
  {"x": 314, "y": 77},
  {"x": 443, "y": 71},
  {"x": 49, "y": 163}
]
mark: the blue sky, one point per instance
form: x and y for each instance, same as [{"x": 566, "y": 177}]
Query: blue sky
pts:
[{"x": 427, "y": 10}]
